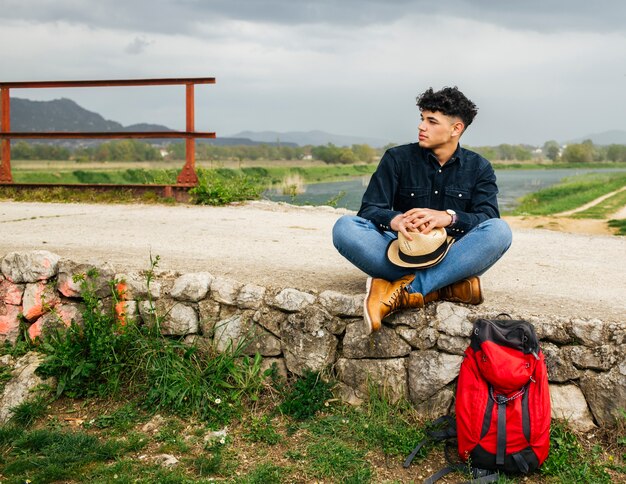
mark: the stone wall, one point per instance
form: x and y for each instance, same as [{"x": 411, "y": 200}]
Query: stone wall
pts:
[{"x": 416, "y": 355}]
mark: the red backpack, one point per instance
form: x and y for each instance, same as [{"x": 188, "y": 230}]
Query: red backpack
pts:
[
  {"x": 502, "y": 404},
  {"x": 502, "y": 398}
]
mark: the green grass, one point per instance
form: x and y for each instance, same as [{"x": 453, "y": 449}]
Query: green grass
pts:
[
  {"x": 605, "y": 208},
  {"x": 570, "y": 194},
  {"x": 49, "y": 455},
  {"x": 530, "y": 165},
  {"x": 332, "y": 457},
  {"x": 620, "y": 225},
  {"x": 26, "y": 413},
  {"x": 73, "y": 195},
  {"x": 271, "y": 174},
  {"x": 265, "y": 473},
  {"x": 569, "y": 462},
  {"x": 116, "y": 177},
  {"x": 343, "y": 445}
]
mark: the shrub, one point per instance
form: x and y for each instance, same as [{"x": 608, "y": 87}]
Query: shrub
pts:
[{"x": 218, "y": 188}]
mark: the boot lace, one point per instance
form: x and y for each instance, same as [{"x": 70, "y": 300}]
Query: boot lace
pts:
[{"x": 399, "y": 299}]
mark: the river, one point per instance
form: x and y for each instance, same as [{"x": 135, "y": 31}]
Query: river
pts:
[{"x": 512, "y": 183}]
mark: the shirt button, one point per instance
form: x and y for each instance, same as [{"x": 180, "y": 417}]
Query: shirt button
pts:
[
  {"x": 436, "y": 192},
  {"x": 460, "y": 195},
  {"x": 412, "y": 194},
  {"x": 439, "y": 171}
]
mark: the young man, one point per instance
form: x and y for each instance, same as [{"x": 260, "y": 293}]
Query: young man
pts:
[{"x": 417, "y": 188}]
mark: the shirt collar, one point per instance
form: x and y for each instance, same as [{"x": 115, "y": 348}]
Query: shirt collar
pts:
[{"x": 457, "y": 155}]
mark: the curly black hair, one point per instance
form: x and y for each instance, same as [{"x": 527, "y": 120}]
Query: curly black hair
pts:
[{"x": 449, "y": 101}]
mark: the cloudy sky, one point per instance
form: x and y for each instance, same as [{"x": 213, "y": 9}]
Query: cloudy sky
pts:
[{"x": 537, "y": 69}]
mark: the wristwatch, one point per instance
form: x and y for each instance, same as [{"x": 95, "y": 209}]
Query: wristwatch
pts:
[{"x": 452, "y": 214}]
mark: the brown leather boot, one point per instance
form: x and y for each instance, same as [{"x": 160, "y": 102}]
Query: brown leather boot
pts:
[
  {"x": 467, "y": 291},
  {"x": 383, "y": 298}
]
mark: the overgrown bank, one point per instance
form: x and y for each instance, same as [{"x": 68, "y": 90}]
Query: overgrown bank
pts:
[{"x": 227, "y": 417}]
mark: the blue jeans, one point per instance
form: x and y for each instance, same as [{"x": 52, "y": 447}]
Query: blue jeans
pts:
[{"x": 363, "y": 244}]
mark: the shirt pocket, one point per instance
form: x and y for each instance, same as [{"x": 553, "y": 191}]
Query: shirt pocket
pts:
[
  {"x": 458, "y": 198},
  {"x": 412, "y": 197}
]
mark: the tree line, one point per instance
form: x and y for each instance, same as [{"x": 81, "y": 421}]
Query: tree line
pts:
[{"x": 133, "y": 150}]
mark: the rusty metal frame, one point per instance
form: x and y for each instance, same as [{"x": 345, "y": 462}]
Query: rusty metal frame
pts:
[{"x": 187, "y": 176}]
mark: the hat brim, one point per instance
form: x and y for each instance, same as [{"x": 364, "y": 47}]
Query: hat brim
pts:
[{"x": 418, "y": 262}]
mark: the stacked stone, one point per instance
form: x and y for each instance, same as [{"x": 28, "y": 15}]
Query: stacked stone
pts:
[{"x": 416, "y": 355}]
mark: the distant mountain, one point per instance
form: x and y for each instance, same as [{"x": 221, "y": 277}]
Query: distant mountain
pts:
[
  {"x": 314, "y": 138},
  {"x": 66, "y": 115},
  {"x": 146, "y": 127},
  {"x": 611, "y": 137},
  {"x": 223, "y": 141},
  {"x": 57, "y": 115}
]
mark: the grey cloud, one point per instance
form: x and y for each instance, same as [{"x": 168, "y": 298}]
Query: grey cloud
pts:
[
  {"x": 137, "y": 46},
  {"x": 180, "y": 16}
]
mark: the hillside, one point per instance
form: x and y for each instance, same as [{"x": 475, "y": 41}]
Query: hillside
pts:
[
  {"x": 614, "y": 136},
  {"x": 66, "y": 115},
  {"x": 56, "y": 115}
]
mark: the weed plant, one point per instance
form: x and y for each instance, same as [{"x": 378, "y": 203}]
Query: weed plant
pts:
[
  {"x": 102, "y": 357},
  {"x": 89, "y": 359},
  {"x": 261, "y": 429},
  {"x": 223, "y": 186},
  {"x": 307, "y": 396}
]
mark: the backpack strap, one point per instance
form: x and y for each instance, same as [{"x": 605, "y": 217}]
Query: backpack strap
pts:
[
  {"x": 501, "y": 440},
  {"x": 502, "y": 401},
  {"x": 434, "y": 436},
  {"x": 488, "y": 476},
  {"x": 480, "y": 476},
  {"x": 414, "y": 452},
  {"x": 440, "y": 473}
]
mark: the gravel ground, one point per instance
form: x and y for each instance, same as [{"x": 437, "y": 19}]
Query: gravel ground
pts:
[{"x": 545, "y": 272}]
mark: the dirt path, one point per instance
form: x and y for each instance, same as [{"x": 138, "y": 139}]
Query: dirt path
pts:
[
  {"x": 598, "y": 200},
  {"x": 544, "y": 273}
]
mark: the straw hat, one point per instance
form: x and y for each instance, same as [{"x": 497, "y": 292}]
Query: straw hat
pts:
[{"x": 425, "y": 250}]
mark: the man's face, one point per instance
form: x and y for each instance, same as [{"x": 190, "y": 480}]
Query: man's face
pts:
[{"x": 437, "y": 130}]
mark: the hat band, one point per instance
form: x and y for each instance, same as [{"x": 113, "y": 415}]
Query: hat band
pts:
[{"x": 418, "y": 259}]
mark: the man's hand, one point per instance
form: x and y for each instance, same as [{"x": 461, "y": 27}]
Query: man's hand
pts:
[{"x": 420, "y": 220}]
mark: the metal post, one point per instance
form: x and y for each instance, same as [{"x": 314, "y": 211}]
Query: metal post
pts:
[
  {"x": 188, "y": 173},
  {"x": 5, "y": 127}
]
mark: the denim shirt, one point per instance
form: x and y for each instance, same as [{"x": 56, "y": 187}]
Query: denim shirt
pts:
[{"x": 410, "y": 176}]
